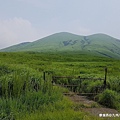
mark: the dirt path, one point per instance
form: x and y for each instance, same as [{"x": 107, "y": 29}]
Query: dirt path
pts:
[{"x": 91, "y": 106}]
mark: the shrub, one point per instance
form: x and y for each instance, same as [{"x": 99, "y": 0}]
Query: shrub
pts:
[
  {"x": 109, "y": 98},
  {"x": 91, "y": 86}
]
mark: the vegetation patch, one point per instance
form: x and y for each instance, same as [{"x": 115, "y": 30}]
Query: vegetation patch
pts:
[
  {"x": 110, "y": 98},
  {"x": 26, "y": 94}
]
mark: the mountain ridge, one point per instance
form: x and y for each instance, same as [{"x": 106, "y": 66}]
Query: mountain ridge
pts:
[{"x": 99, "y": 43}]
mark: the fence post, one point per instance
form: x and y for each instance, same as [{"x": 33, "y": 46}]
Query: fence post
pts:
[
  {"x": 0, "y": 89},
  {"x": 44, "y": 76},
  {"x": 105, "y": 78},
  {"x": 80, "y": 84},
  {"x": 24, "y": 87}
]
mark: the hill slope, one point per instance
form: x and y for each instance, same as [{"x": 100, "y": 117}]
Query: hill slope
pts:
[{"x": 100, "y": 44}]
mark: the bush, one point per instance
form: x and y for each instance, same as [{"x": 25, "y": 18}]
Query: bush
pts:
[
  {"x": 109, "y": 98},
  {"x": 91, "y": 86}
]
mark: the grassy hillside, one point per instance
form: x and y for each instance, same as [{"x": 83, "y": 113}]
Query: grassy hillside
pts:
[
  {"x": 21, "y": 72},
  {"x": 99, "y": 44}
]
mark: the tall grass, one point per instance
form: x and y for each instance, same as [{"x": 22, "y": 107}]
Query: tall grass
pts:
[
  {"x": 110, "y": 98},
  {"x": 25, "y": 91},
  {"x": 25, "y": 95}
]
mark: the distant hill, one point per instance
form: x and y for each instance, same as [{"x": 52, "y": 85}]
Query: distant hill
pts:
[{"x": 99, "y": 44}]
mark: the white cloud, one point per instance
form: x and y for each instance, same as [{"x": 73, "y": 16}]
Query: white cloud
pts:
[{"x": 16, "y": 30}]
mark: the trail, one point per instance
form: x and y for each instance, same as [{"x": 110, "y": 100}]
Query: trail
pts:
[{"x": 91, "y": 106}]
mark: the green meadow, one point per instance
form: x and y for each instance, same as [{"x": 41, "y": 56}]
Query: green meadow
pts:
[{"x": 25, "y": 95}]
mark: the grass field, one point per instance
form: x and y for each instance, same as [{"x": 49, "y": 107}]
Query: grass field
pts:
[{"x": 24, "y": 95}]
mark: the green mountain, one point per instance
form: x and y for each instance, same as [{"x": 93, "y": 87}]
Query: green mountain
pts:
[{"x": 99, "y": 44}]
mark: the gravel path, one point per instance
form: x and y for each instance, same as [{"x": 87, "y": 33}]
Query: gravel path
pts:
[{"x": 91, "y": 106}]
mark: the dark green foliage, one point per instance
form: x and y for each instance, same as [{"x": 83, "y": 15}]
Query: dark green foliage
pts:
[
  {"x": 4, "y": 69},
  {"x": 24, "y": 90},
  {"x": 115, "y": 84},
  {"x": 92, "y": 86},
  {"x": 110, "y": 99}
]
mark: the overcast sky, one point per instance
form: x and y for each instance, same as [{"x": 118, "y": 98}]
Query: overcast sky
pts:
[{"x": 29, "y": 20}]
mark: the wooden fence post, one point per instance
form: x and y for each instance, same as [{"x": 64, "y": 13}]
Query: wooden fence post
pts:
[
  {"x": 24, "y": 87},
  {"x": 0, "y": 89},
  {"x": 80, "y": 84},
  {"x": 44, "y": 76},
  {"x": 105, "y": 78}
]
